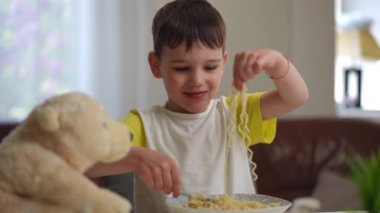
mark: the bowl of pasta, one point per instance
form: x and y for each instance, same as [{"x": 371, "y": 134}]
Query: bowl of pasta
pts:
[{"x": 236, "y": 203}]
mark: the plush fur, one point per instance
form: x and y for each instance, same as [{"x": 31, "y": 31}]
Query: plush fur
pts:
[{"x": 42, "y": 161}]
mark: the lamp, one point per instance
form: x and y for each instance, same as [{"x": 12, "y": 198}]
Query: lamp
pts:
[{"x": 355, "y": 42}]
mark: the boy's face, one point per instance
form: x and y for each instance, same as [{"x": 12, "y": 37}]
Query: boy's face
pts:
[{"x": 191, "y": 77}]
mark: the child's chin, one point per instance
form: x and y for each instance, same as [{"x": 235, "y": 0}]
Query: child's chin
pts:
[{"x": 195, "y": 110}]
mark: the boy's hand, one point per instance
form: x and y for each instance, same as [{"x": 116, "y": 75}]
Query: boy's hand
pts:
[
  {"x": 248, "y": 64},
  {"x": 158, "y": 171}
]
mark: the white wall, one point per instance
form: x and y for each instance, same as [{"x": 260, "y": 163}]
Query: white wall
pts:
[
  {"x": 302, "y": 30},
  {"x": 313, "y": 51},
  {"x": 252, "y": 25}
]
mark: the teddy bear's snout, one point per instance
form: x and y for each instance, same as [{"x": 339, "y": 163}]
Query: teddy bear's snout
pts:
[{"x": 121, "y": 143}]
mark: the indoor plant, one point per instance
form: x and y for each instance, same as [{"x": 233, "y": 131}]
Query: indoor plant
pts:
[{"x": 366, "y": 175}]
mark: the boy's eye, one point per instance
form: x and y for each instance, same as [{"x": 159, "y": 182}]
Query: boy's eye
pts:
[
  {"x": 180, "y": 69},
  {"x": 210, "y": 68}
]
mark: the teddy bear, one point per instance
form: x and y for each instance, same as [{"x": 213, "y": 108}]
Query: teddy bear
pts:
[{"x": 43, "y": 160}]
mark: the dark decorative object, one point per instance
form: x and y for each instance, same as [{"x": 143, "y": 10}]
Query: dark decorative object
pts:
[{"x": 352, "y": 87}]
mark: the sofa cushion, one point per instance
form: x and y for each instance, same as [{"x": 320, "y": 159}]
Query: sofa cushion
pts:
[{"x": 331, "y": 199}]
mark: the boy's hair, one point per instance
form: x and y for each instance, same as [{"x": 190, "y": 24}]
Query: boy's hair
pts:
[{"x": 188, "y": 21}]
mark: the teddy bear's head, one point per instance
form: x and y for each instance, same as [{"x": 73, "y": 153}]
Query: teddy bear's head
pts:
[{"x": 77, "y": 128}]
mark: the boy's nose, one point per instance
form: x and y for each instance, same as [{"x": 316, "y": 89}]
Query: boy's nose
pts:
[{"x": 196, "y": 77}]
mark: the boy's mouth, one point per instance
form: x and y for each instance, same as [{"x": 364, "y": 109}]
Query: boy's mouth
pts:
[{"x": 196, "y": 94}]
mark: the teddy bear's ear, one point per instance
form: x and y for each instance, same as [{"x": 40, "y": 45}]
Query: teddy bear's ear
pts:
[{"x": 48, "y": 118}]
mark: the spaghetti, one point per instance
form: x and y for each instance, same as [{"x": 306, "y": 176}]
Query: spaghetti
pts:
[
  {"x": 225, "y": 202},
  {"x": 240, "y": 126}
]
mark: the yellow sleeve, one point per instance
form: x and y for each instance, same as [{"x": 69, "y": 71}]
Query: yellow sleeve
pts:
[
  {"x": 261, "y": 131},
  {"x": 135, "y": 126}
]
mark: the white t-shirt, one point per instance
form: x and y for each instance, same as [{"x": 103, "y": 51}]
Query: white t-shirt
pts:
[{"x": 198, "y": 144}]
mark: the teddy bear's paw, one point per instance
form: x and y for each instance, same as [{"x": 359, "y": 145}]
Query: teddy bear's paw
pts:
[
  {"x": 115, "y": 206},
  {"x": 122, "y": 207},
  {"x": 125, "y": 210}
]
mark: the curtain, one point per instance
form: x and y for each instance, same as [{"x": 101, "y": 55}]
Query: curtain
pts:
[
  {"x": 100, "y": 47},
  {"x": 33, "y": 39},
  {"x": 113, "y": 40}
]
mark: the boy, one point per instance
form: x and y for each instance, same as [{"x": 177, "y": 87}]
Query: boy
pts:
[{"x": 182, "y": 146}]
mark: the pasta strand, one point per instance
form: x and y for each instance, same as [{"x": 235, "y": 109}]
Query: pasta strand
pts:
[{"x": 240, "y": 99}]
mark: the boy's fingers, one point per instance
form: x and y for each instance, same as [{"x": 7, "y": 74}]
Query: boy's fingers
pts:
[
  {"x": 238, "y": 84},
  {"x": 158, "y": 182},
  {"x": 241, "y": 72},
  {"x": 237, "y": 78},
  {"x": 249, "y": 67},
  {"x": 236, "y": 64},
  {"x": 167, "y": 183},
  {"x": 175, "y": 181},
  {"x": 167, "y": 178},
  {"x": 237, "y": 81},
  {"x": 147, "y": 178}
]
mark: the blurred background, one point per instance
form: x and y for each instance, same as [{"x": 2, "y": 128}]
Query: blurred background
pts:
[{"x": 100, "y": 47}]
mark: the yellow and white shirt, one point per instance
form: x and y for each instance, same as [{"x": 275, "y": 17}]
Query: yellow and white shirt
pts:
[{"x": 198, "y": 144}]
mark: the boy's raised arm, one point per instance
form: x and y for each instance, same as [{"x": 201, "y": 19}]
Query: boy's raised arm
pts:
[{"x": 291, "y": 90}]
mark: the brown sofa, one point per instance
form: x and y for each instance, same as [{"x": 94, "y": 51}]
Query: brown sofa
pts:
[
  {"x": 5, "y": 128},
  {"x": 292, "y": 165},
  {"x": 308, "y": 158}
]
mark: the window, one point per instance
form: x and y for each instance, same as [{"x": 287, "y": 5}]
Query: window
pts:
[
  {"x": 34, "y": 36},
  {"x": 357, "y": 62}
]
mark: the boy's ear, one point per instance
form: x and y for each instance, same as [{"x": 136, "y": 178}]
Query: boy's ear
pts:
[
  {"x": 154, "y": 63},
  {"x": 224, "y": 60},
  {"x": 225, "y": 57}
]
